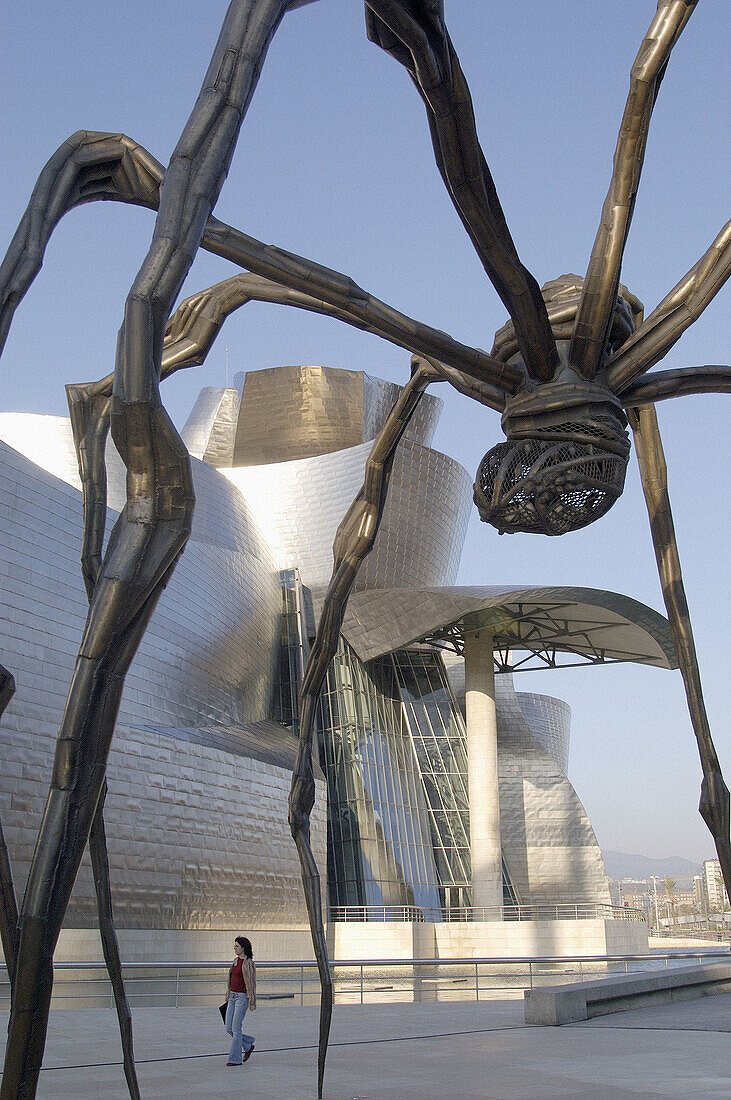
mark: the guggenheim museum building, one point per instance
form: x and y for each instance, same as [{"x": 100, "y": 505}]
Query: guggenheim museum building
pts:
[{"x": 444, "y": 819}]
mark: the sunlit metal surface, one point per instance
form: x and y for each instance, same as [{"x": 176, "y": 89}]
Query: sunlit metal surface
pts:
[
  {"x": 593, "y": 624},
  {"x": 194, "y": 754},
  {"x": 548, "y": 718},
  {"x": 210, "y": 429},
  {"x": 298, "y": 506},
  {"x": 297, "y": 412}
]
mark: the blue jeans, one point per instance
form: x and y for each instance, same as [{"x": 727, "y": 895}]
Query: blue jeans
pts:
[{"x": 237, "y": 1006}]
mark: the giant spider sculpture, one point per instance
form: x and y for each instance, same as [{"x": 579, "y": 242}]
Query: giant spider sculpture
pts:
[{"x": 567, "y": 373}]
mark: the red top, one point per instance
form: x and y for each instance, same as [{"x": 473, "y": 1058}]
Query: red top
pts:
[{"x": 236, "y": 981}]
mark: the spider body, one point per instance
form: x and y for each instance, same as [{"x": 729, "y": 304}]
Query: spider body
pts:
[{"x": 564, "y": 461}]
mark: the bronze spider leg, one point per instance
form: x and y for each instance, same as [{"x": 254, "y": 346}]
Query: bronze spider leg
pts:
[
  {"x": 353, "y": 542},
  {"x": 92, "y": 166},
  {"x": 90, "y": 424},
  {"x": 76, "y": 783},
  {"x": 599, "y": 294},
  {"x": 100, "y": 864},
  {"x": 94, "y": 482},
  {"x": 666, "y": 324},
  {"x": 8, "y": 902},
  {"x": 189, "y": 336},
  {"x": 415, "y": 35},
  {"x": 363, "y": 309},
  {"x": 714, "y": 803},
  {"x": 110, "y": 945},
  {"x": 87, "y": 167},
  {"x": 653, "y": 338},
  {"x": 680, "y": 382},
  {"x": 192, "y": 330},
  {"x": 151, "y": 532}
]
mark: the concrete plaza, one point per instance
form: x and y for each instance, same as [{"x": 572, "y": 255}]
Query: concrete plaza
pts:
[{"x": 459, "y": 1049}]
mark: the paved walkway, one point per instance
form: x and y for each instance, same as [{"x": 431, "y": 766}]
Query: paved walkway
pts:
[{"x": 401, "y": 1051}]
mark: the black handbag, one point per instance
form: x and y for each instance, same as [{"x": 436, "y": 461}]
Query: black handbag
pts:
[{"x": 222, "y": 1009}]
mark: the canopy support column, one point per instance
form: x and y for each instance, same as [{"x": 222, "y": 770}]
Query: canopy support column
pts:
[{"x": 482, "y": 770}]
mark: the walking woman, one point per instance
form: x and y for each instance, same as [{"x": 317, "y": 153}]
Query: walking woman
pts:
[{"x": 240, "y": 995}]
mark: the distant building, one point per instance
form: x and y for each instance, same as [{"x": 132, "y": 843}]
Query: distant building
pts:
[{"x": 713, "y": 887}]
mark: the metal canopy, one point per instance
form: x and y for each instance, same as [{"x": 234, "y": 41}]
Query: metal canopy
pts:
[{"x": 548, "y": 625}]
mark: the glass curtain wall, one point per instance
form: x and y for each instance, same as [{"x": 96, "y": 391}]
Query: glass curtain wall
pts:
[
  {"x": 440, "y": 744},
  {"x": 380, "y": 840},
  {"x": 393, "y": 748},
  {"x": 292, "y": 650},
  {"x": 439, "y": 738}
]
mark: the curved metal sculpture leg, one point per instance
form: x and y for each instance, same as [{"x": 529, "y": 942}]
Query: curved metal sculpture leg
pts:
[
  {"x": 714, "y": 804},
  {"x": 100, "y": 865},
  {"x": 353, "y": 542},
  {"x": 151, "y": 532},
  {"x": 599, "y": 294},
  {"x": 8, "y": 903},
  {"x": 118, "y": 617},
  {"x": 414, "y": 33},
  {"x": 110, "y": 946},
  {"x": 92, "y": 166},
  {"x": 89, "y": 411},
  {"x": 670, "y": 318},
  {"x": 87, "y": 167}
]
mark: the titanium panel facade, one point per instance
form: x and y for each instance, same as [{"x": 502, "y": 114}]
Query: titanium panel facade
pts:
[
  {"x": 210, "y": 429},
  {"x": 298, "y": 506},
  {"x": 379, "y": 397},
  {"x": 549, "y": 721},
  {"x": 296, "y": 412},
  {"x": 196, "y": 821},
  {"x": 548, "y": 843}
]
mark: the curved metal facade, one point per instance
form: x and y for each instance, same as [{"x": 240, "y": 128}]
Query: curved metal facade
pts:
[
  {"x": 297, "y": 412},
  {"x": 210, "y": 429},
  {"x": 549, "y": 721},
  {"x": 298, "y": 506},
  {"x": 548, "y": 844},
  {"x": 196, "y": 814}
]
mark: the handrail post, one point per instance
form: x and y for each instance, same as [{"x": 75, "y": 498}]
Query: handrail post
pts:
[
  {"x": 361, "y": 983},
  {"x": 302, "y": 986},
  {"x": 477, "y": 982},
  {"x": 177, "y": 985}
]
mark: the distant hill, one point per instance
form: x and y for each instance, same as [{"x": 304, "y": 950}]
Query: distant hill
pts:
[{"x": 620, "y": 865}]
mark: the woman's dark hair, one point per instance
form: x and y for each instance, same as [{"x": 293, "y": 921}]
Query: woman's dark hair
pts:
[{"x": 246, "y": 946}]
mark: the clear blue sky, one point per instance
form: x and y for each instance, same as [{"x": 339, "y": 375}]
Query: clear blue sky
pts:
[{"x": 334, "y": 162}]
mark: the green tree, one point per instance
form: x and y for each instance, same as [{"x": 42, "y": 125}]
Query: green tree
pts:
[{"x": 670, "y": 884}]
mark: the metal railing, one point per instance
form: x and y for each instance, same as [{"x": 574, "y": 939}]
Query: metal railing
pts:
[
  {"x": 181, "y": 984},
  {"x": 545, "y": 911}
]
